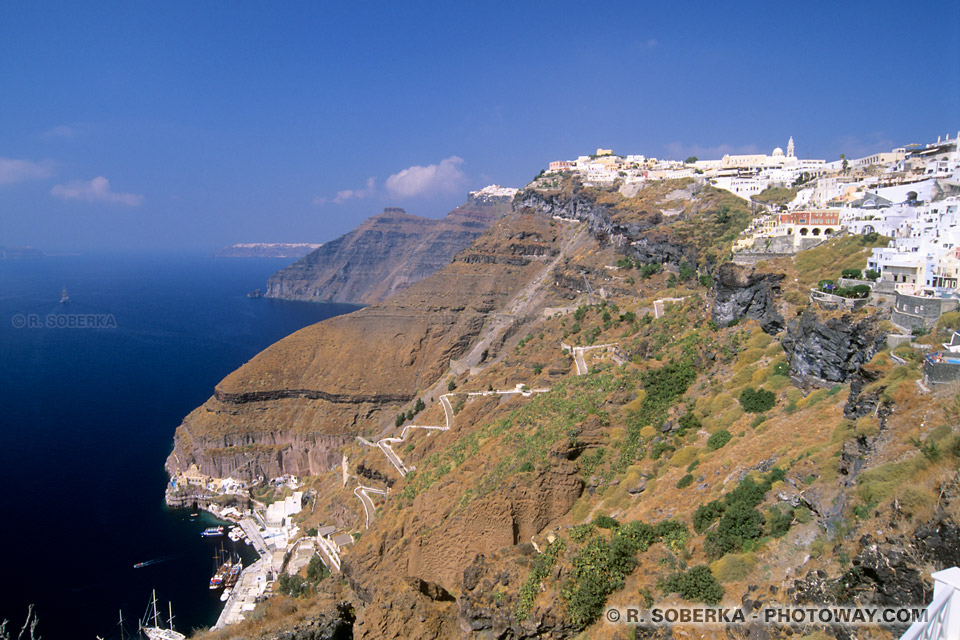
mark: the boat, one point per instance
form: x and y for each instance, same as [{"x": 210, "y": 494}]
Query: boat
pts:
[
  {"x": 157, "y": 632},
  {"x": 233, "y": 574},
  {"x": 226, "y": 594},
  {"x": 222, "y": 570},
  {"x": 212, "y": 532},
  {"x": 64, "y": 298}
]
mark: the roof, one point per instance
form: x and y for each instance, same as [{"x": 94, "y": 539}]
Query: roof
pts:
[
  {"x": 325, "y": 531},
  {"x": 343, "y": 539}
]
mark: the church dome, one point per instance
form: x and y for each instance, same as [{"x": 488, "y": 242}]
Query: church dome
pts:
[{"x": 778, "y": 153}]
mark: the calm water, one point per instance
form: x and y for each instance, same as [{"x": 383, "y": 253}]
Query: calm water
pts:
[{"x": 87, "y": 417}]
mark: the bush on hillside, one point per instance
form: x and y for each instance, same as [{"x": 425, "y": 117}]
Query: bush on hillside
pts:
[
  {"x": 718, "y": 439},
  {"x": 757, "y": 401},
  {"x": 697, "y": 584}
]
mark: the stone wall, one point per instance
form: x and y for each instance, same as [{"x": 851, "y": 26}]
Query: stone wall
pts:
[
  {"x": 940, "y": 372},
  {"x": 911, "y": 312}
]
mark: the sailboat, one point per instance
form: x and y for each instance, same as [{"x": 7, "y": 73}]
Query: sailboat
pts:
[
  {"x": 64, "y": 298},
  {"x": 156, "y": 632}
]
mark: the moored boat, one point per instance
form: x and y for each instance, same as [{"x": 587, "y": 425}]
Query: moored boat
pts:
[{"x": 211, "y": 532}]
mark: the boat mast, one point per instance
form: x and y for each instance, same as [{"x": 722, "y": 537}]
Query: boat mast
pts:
[
  {"x": 156, "y": 616},
  {"x": 121, "y": 624},
  {"x": 170, "y": 604}
]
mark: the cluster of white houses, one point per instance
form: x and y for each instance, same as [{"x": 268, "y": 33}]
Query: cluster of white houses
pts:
[{"x": 908, "y": 194}]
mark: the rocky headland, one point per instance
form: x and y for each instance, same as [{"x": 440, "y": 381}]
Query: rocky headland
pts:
[{"x": 385, "y": 254}]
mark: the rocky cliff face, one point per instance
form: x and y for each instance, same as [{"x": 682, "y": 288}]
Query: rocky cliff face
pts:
[
  {"x": 832, "y": 349},
  {"x": 744, "y": 293},
  {"x": 294, "y": 405},
  {"x": 386, "y": 254},
  {"x": 580, "y": 206}
]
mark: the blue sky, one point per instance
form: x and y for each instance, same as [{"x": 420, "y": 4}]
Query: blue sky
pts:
[{"x": 185, "y": 125}]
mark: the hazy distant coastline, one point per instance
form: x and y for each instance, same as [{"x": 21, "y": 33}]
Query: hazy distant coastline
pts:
[{"x": 266, "y": 250}]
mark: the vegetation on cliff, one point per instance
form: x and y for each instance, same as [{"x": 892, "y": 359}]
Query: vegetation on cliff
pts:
[{"x": 661, "y": 456}]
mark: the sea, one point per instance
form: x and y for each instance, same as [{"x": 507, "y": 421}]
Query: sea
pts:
[{"x": 91, "y": 391}]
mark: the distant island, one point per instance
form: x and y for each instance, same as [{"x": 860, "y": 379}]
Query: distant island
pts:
[
  {"x": 266, "y": 250},
  {"x": 19, "y": 253}
]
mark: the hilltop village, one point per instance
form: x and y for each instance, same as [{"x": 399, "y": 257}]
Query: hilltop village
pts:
[{"x": 632, "y": 381}]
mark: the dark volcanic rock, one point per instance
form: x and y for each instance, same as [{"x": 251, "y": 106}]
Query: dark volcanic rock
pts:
[
  {"x": 576, "y": 207},
  {"x": 657, "y": 248},
  {"x": 742, "y": 292},
  {"x": 831, "y": 350},
  {"x": 335, "y": 625},
  {"x": 861, "y": 404}
]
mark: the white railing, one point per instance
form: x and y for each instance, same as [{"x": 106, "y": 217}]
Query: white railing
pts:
[{"x": 942, "y": 619}]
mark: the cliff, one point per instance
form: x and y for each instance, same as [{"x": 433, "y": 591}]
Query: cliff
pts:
[
  {"x": 744, "y": 293},
  {"x": 615, "y": 476},
  {"x": 831, "y": 349},
  {"x": 293, "y": 406},
  {"x": 386, "y": 254}
]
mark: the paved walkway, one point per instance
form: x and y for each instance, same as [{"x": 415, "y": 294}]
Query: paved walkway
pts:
[{"x": 582, "y": 368}]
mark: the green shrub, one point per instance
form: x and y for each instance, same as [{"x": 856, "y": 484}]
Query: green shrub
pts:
[
  {"x": 688, "y": 422},
  {"x": 639, "y": 533},
  {"x": 685, "y": 481},
  {"x": 718, "y": 439},
  {"x": 673, "y": 533},
  {"x": 542, "y": 565},
  {"x": 781, "y": 368},
  {"x": 697, "y": 584},
  {"x": 606, "y": 522},
  {"x": 852, "y": 274},
  {"x": 580, "y": 532},
  {"x": 778, "y": 522},
  {"x": 707, "y": 514},
  {"x": 526, "y": 467},
  {"x": 659, "y": 448},
  {"x": 648, "y": 270},
  {"x": 757, "y": 401}
]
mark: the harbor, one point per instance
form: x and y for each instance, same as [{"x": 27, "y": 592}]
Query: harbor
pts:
[{"x": 269, "y": 529}]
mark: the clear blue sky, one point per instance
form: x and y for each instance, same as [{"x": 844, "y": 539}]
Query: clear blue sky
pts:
[{"x": 198, "y": 124}]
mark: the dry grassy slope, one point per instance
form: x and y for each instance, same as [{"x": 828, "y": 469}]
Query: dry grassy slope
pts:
[
  {"x": 517, "y": 469},
  {"x": 471, "y": 503},
  {"x": 293, "y": 405}
]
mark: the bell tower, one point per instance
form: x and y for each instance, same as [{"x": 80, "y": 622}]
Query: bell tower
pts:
[{"x": 790, "y": 148}]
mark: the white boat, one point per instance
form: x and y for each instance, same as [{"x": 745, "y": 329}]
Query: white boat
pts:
[
  {"x": 226, "y": 594},
  {"x": 157, "y": 632}
]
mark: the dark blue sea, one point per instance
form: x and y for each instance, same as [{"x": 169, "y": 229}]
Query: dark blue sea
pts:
[{"x": 91, "y": 392}]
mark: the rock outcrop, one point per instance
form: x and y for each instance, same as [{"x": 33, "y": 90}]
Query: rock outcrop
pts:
[
  {"x": 745, "y": 293},
  {"x": 386, "y": 254},
  {"x": 833, "y": 349}
]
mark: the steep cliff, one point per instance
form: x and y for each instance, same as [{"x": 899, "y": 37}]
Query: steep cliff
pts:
[
  {"x": 386, "y": 254},
  {"x": 745, "y": 293},
  {"x": 293, "y": 406},
  {"x": 831, "y": 349}
]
